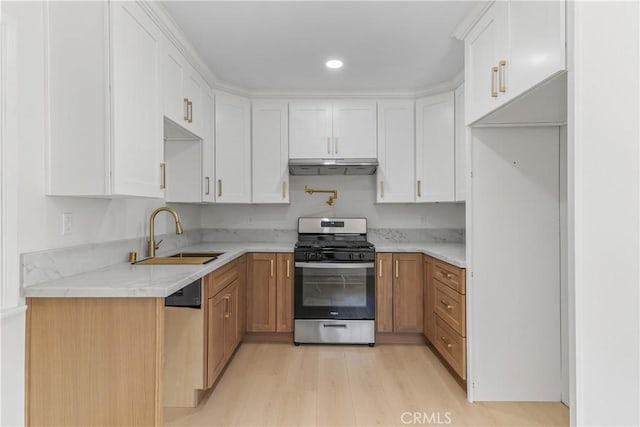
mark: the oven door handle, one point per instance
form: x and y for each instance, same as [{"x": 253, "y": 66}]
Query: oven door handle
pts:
[{"x": 339, "y": 265}]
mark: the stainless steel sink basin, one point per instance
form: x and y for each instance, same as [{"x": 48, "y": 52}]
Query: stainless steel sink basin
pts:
[
  {"x": 182, "y": 258},
  {"x": 197, "y": 255}
]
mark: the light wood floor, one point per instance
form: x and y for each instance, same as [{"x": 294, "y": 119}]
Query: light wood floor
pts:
[{"x": 284, "y": 385}]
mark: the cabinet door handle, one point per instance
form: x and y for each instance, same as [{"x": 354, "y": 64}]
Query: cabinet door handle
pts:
[
  {"x": 163, "y": 177},
  {"x": 190, "y": 111},
  {"x": 494, "y": 75},
  {"x": 419, "y": 188},
  {"x": 446, "y": 342},
  {"x": 284, "y": 190},
  {"x": 185, "y": 102},
  {"x": 382, "y": 189},
  {"x": 271, "y": 267},
  {"x": 227, "y": 312},
  {"x": 335, "y": 143},
  {"x": 397, "y": 270},
  {"x": 207, "y": 185},
  {"x": 446, "y": 304},
  {"x": 328, "y": 145},
  {"x": 380, "y": 268},
  {"x": 219, "y": 188},
  {"x": 502, "y": 76},
  {"x": 288, "y": 269}
]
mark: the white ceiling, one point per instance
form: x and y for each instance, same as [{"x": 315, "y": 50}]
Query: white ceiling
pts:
[{"x": 282, "y": 46}]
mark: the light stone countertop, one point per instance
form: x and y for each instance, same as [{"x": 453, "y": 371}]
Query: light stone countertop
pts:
[
  {"x": 452, "y": 253},
  {"x": 158, "y": 281}
]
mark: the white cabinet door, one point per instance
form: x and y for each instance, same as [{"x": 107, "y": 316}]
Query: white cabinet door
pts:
[
  {"x": 485, "y": 46},
  {"x": 537, "y": 42},
  {"x": 194, "y": 91},
  {"x": 270, "y": 148},
  {"x": 435, "y": 148},
  {"x": 354, "y": 130},
  {"x": 136, "y": 110},
  {"x": 461, "y": 145},
  {"x": 208, "y": 164},
  {"x": 396, "y": 151},
  {"x": 233, "y": 149},
  {"x": 310, "y": 130},
  {"x": 172, "y": 84}
]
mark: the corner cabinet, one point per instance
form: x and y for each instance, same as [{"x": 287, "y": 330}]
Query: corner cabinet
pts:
[
  {"x": 435, "y": 148},
  {"x": 103, "y": 100},
  {"x": 270, "y": 152},
  {"x": 512, "y": 48},
  {"x": 232, "y": 149},
  {"x": 396, "y": 148},
  {"x": 326, "y": 130}
]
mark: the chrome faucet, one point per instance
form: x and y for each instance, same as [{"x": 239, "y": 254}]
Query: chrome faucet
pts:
[{"x": 152, "y": 242}]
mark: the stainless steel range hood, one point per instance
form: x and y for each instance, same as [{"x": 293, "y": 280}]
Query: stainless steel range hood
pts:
[{"x": 333, "y": 166}]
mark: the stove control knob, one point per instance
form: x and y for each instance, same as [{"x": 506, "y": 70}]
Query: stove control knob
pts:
[
  {"x": 351, "y": 256},
  {"x": 362, "y": 255}
]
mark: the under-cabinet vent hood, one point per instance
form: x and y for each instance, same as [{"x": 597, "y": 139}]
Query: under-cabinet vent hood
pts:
[{"x": 333, "y": 166}]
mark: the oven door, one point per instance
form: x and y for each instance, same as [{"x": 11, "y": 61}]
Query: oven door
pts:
[{"x": 326, "y": 290}]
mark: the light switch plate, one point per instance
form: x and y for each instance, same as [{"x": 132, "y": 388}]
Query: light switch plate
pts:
[{"x": 67, "y": 223}]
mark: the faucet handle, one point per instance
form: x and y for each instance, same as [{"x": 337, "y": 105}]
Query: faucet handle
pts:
[{"x": 158, "y": 243}]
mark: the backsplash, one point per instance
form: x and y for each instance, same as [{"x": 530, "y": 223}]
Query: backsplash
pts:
[
  {"x": 52, "y": 264},
  {"x": 356, "y": 198}
]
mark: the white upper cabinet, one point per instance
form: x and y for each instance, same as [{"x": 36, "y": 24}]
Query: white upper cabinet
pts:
[
  {"x": 310, "y": 130},
  {"x": 461, "y": 146},
  {"x": 354, "y": 130},
  {"x": 485, "y": 46},
  {"x": 435, "y": 148},
  {"x": 233, "y": 149},
  {"x": 270, "y": 148},
  {"x": 396, "y": 151},
  {"x": 184, "y": 91},
  {"x": 208, "y": 151},
  {"x": 514, "y": 46},
  {"x": 332, "y": 130},
  {"x": 103, "y": 100},
  {"x": 537, "y": 37}
]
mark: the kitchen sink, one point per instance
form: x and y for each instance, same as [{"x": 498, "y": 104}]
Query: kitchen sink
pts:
[{"x": 182, "y": 258}]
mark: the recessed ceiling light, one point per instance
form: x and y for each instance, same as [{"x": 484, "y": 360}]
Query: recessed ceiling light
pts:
[{"x": 333, "y": 63}]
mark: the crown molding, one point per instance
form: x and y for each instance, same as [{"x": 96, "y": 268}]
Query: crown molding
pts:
[
  {"x": 474, "y": 15},
  {"x": 159, "y": 14}
]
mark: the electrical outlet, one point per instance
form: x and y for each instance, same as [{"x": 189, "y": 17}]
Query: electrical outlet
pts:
[
  {"x": 67, "y": 223},
  {"x": 423, "y": 220},
  {"x": 250, "y": 220}
]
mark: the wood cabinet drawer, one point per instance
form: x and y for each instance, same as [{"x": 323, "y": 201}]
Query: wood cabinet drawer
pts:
[
  {"x": 451, "y": 276},
  {"x": 452, "y": 346},
  {"x": 450, "y": 306}
]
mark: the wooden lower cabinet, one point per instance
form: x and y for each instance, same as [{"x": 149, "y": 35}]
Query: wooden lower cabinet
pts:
[
  {"x": 94, "y": 361},
  {"x": 270, "y": 292},
  {"x": 445, "y": 312},
  {"x": 399, "y": 292},
  {"x": 284, "y": 292},
  {"x": 216, "y": 328}
]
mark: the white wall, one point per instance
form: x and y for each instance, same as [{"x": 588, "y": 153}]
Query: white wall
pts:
[
  {"x": 604, "y": 210},
  {"x": 356, "y": 197}
]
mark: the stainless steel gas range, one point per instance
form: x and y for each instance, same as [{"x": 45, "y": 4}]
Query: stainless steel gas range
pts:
[{"x": 334, "y": 286}]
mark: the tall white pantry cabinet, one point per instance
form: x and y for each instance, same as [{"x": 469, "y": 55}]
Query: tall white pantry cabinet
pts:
[{"x": 104, "y": 111}]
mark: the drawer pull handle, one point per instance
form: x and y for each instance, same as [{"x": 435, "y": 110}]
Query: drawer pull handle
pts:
[
  {"x": 494, "y": 75},
  {"x": 380, "y": 268},
  {"x": 271, "y": 267},
  {"x": 446, "y": 304},
  {"x": 288, "y": 269},
  {"x": 446, "y": 342},
  {"x": 397, "y": 270}
]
